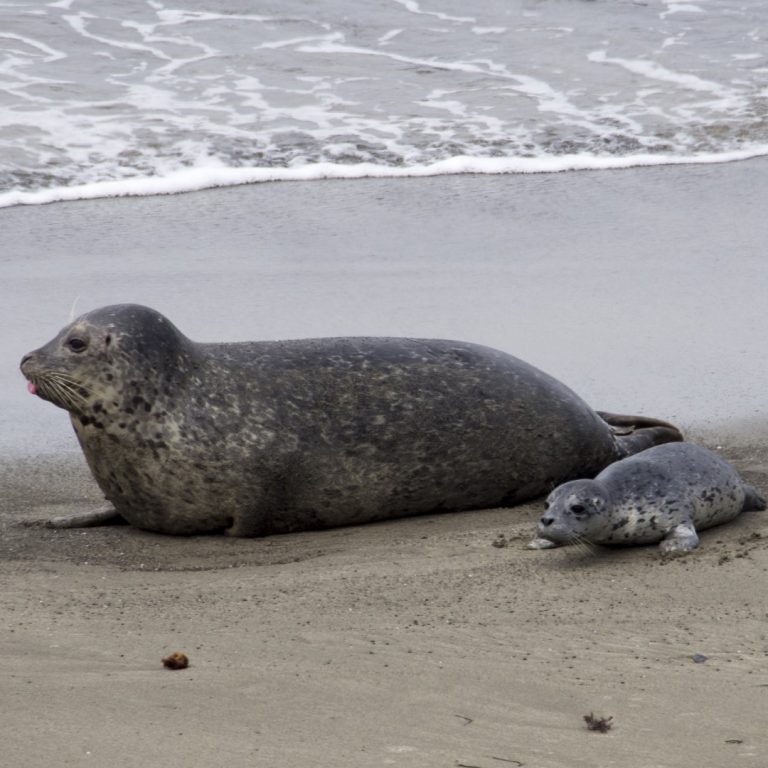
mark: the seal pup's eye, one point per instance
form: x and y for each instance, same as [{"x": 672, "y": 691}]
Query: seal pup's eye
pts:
[
  {"x": 76, "y": 344},
  {"x": 578, "y": 509}
]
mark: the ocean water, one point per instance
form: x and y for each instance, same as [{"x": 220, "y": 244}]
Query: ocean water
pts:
[{"x": 116, "y": 97}]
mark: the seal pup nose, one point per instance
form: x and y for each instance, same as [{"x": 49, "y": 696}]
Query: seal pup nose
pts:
[
  {"x": 24, "y": 361},
  {"x": 547, "y": 521}
]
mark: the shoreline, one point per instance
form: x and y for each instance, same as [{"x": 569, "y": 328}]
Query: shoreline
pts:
[{"x": 200, "y": 179}]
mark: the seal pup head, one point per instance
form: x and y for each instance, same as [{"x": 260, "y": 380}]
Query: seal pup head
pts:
[
  {"x": 102, "y": 359},
  {"x": 575, "y": 512}
]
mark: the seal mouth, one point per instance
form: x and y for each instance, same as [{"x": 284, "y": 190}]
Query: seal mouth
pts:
[
  {"x": 572, "y": 539},
  {"x": 57, "y": 388}
]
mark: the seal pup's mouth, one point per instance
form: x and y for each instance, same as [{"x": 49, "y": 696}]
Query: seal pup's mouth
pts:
[
  {"x": 31, "y": 387},
  {"x": 562, "y": 538}
]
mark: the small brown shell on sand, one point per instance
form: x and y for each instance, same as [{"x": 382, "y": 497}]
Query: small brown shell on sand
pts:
[{"x": 177, "y": 660}]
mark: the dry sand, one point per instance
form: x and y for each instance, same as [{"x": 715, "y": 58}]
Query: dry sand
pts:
[{"x": 409, "y": 643}]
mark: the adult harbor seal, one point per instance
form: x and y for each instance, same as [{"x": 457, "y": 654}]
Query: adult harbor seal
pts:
[
  {"x": 257, "y": 438},
  {"x": 664, "y": 493}
]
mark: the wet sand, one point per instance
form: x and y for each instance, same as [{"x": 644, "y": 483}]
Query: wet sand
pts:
[{"x": 414, "y": 642}]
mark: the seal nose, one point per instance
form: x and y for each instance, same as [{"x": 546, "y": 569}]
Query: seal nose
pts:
[
  {"x": 24, "y": 361},
  {"x": 546, "y": 521}
]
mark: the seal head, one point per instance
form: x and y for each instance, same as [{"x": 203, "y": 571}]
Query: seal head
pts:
[
  {"x": 123, "y": 373},
  {"x": 575, "y": 512},
  {"x": 89, "y": 368}
]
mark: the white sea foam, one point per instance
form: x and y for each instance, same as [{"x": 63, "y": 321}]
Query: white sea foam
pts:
[
  {"x": 414, "y": 7},
  {"x": 654, "y": 71},
  {"x": 680, "y": 8},
  {"x": 489, "y": 30},
  {"x": 196, "y": 179},
  {"x": 80, "y": 25},
  {"x": 386, "y": 37},
  {"x": 50, "y": 53}
]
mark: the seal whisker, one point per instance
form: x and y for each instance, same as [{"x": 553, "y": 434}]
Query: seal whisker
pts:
[
  {"x": 53, "y": 389},
  {"x": 61, "y": 376},
  {"x": 67, "y": 384},
  {"x": 71, "y": 386},
  {"x": 65, "y": 395},
  {"x": 583, "y": 543},
  {"x": 72, "y": 309},
  {"x": 49, "y": 389}
]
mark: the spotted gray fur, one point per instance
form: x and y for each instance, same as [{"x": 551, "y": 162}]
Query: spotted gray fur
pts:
[
  {"x": 262, "y": 437},
  {"x": 663, "y": 494}
]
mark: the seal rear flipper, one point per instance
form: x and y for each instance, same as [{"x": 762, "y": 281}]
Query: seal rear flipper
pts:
[
  {"x": 636, "y": 433},
  {"x": 753, "y": 501}
]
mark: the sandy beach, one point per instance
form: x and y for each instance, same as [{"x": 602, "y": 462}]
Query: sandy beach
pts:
[{"x": 415, "y": 642}]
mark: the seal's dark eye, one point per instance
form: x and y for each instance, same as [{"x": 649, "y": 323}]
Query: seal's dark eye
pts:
[
  {"x": 546, "y": 505},
  {"x": 577, "y": 509},
  {"x": 76, "y": 345}
]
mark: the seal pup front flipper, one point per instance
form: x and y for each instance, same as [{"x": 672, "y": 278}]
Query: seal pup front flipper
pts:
[
  {"x": 636, "y": 433},
  {"x": 680, "y": 540}
]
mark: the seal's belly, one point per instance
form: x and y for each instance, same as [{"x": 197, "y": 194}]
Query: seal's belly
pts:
[{"x": 361, "y": 486}]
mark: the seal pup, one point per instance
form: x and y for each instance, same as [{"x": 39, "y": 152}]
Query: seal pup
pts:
[
  {"x": 264, "y": 437},
  {"x": 663, "y": 494}
]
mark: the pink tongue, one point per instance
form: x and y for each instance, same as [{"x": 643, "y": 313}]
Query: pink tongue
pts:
[{"x": 31, "y": 388}]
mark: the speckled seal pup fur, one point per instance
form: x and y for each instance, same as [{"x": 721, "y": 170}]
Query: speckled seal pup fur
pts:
[
  {"x": 662, "y": 494},
  {"x": 263, "y": 437}
]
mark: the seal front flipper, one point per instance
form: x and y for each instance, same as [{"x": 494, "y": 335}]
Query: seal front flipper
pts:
[
  {"x": 636, "y": 433},
  {"x": 680, "y": 540},
  {"x": 103, "y": 516}
]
